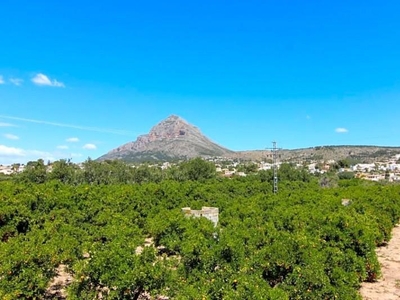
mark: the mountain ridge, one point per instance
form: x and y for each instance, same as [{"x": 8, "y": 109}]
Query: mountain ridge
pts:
[{"x": 176, "y": 139}]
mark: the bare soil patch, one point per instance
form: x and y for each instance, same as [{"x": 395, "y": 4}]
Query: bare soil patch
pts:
[
  {"x": 387, "y": 287},
  {"x": 58, "y": 284}
]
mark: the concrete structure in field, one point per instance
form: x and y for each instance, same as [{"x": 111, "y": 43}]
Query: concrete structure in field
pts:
[
  {"x": 211, "y": 213},
  {"x": 346, "y": 202}
]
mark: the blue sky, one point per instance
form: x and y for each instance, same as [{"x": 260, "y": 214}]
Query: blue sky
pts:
[{"x": 79, "y": 78}]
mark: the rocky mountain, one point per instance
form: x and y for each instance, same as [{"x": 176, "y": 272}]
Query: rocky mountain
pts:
[{"x": 172, "y": 138}]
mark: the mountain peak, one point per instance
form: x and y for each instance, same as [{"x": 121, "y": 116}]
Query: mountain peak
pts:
[
  {"x": 171, "y": 128},
  {"x": 172, "y": 138},
  {"x": 173, "y": 118}
]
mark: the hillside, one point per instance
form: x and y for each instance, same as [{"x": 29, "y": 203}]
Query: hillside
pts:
[
  {"x": 362, "y": 154},
  {"x": 172, "y": 138}
]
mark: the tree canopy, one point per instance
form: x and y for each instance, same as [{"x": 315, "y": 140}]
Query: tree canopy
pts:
[{"x": 299, "y": 244}]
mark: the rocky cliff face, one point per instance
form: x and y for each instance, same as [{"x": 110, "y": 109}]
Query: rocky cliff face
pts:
[{"x": 172, "y": 138}]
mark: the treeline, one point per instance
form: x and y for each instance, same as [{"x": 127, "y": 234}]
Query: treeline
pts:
[
  {"x": 118, "y": 172},
  {"x": 113, "y": 172},
  {"x": 300, "y": 244}
]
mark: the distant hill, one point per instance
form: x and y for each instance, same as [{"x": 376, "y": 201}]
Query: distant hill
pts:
[
  {"x": 355, "y": 154},
  {"x": 171, "y": 139},
  {"x": 176, "y": 139}
]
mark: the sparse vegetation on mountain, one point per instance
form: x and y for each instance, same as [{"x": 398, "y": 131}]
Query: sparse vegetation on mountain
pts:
[{"x": 171, "y": 139}]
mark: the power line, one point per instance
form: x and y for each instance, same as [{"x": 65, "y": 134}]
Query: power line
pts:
[{"x": 274, "y": 151}]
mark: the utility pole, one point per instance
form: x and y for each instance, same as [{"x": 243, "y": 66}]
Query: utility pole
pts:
[{"x": 275, "y": 150}]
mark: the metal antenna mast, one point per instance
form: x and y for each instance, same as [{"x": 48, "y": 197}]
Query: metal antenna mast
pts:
[
  {"x": 275, "y": 156},
  {"x": 274, "y": 150}
]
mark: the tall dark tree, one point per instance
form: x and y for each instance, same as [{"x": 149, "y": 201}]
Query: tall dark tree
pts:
[
  {"x": 35, "y": 171},
  {"x": 198, "y": 169},
  {"x": 64, "y": 171}
]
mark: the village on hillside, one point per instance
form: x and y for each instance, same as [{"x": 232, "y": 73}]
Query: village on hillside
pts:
[
  {"x": 387, "y": 169},
  {"x": 384, "y": 170}
]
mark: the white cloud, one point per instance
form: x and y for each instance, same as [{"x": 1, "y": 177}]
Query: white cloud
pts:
[
  {"x": 41, "y": 79},
  {"x": 10, "y": 155},
  {"x": 72, "y": 140},
  {"x": 90, "y": 147},
  {"x": 6, "y": 124},
  {"x": 2, "y": 79},
  {"x": 341, "y": 130},
  {"x": 11, "y": 151},
  {"x": 16, "y": 81},
  {"x": 11, "y": 136},
  {"x": 62, "y": 147}
]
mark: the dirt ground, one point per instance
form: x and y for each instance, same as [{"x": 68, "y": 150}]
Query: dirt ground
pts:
[
  {"x": 387, "y": 287},
  {"x": 56, "y": 289}
]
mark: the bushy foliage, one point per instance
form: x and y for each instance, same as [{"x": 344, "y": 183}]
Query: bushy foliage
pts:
[
  {"x": 114, "y": 172},
  {"x": 300, "y": 244},
  {"x": 346, "y": 175}
]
